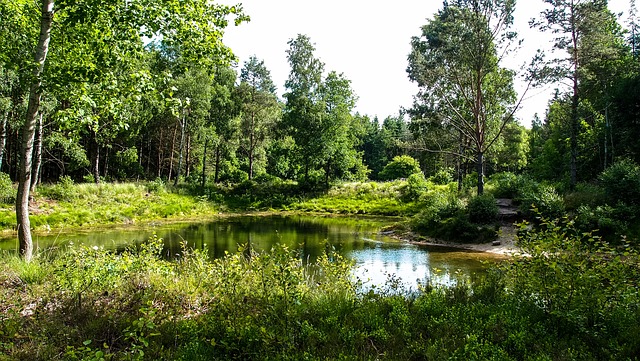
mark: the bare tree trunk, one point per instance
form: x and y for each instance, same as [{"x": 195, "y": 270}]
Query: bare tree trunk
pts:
[
  {"x": 459, "y": 175},
  {"x": 480, "y": 170},
  {"x": 28, "y": 132},
  {"x": 105, "y": 170},
  {"x": 173, "y": 149},
  {"x": 95, "y": 157},
  {"x": 160, "y": 154},
  {"x": 204, "y": 163},
  {"x": 188, "y": 160},
  {"x": 575, "y": 101},
  {"x": 216, "y": 178},
  {"x": 3, "y": 135},
  {"x": 183, "y": 124},
  {"x": 37, "y": 156}
]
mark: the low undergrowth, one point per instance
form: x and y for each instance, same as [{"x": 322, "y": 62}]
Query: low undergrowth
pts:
[
  {"x": 66, "y": 204},
  {"x": 572, "y": 298},
  {"x": 376, "y": 198}
]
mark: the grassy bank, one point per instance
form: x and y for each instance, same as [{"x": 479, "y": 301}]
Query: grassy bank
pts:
[
  {"x": 90, "y": 304},
  {"x": 68, "y": 205}
]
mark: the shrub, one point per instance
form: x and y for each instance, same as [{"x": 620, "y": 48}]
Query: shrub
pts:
[
  {"x": 581, "y": 285},
  {"x": 266, "y": 178},
  {"x": 400, "y": 167},
  {"x": 482, "y": 209},
  {"x": 443, "y": 176},
  {"x": 585, "y": 194},
  {"x": 505, "y": 185},
  {"x": 611, "y": 223},
  {"x": 621, "y": 183},
  {"x": 542, "y": 199},
  {"x": 470, "y": 180},
  {"x": 7, "y": 192},
  {"x": 416, "y": 186},
  {"x": 64, "y": 190},
  {"x": 156, "y": 186}
]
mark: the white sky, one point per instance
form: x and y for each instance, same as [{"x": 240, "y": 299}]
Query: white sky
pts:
[{"x": 368, "y": 41}]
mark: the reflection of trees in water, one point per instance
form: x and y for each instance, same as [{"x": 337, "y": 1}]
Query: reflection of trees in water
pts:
[{"x": 311, "y": 236}]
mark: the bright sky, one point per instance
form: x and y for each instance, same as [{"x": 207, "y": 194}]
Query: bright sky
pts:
[{"x": 368, "y": 41}]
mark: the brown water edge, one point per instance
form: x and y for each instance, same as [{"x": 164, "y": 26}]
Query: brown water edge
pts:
[{"x": 504, "y": 247}]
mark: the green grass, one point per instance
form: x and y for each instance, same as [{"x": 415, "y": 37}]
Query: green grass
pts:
[
  {"x": 374, "y": 198},
  {"x": 564, "y": 301},
  {"x": 82, "y": 205}
]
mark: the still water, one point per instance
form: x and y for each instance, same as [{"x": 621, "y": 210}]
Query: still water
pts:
[{"x": 377, "y": 257}]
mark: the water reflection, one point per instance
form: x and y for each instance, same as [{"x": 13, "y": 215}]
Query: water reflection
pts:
[{"x": 377, "y": 257}]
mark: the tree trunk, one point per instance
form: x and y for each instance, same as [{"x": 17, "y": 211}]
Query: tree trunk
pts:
[
  {"x": 105, "y": 170},
  {"x": 251, "y": 145},
  {"x": 3, "y": 135},
  {"x": 204, "y": 163},
  {"x": 459, "y": 175},
  {"x": 574, "y": 135},
  {"x": 160, "y": 155},
  {"x": 95, "y": 157},
  {"x": 480, "y": 170},
  {"x": 181, "y": 151},
  {"x": 37, "y": 156},
  {"x": 173, "y": 149},
  {"x": 187, "y": 163},
  {"x": 575, "y": 101},
  {"x": 216, "y": 178},
  {"x": 28, "y": 132}
]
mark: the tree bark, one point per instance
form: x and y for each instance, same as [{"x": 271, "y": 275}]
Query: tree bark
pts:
[
  {"x": 28, "y": 132},
  {"x": 203, "y": 182},
  {"x": 160, "y": 155},
  {"x": 173, "y": 149},
  {"x": 37, "y": 156},
  {"x": 480, "y": 170},
  {"x": 95, "y": 157},
  {"x": 216, "y": 178},
  {"x": 3, "y": 135},
  {"x": 182, "y": 133},
  {"x": 575, "y": 101},
  {"x": 187, "y": 162}
]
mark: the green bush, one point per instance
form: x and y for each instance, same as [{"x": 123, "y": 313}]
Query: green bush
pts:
[
  {"x": 579, "y": 286},
  {"x": 157, "y": 186},
  {"x": 400, "y": 167},
  {"x": 506, "y": 185},
  {"x": 64, "y": 190},
  {"x": 416, "y": 186},
  {"x": 7, "y": 192},
  {"x": 541, "y": 199},
  {"x": 612, "y": 223},
  {"x": 443, "y": 176},
  {"x": 482, "y": 209},
  {"x": 585, "y": 194},
  {"x": 621, "y": 183}
]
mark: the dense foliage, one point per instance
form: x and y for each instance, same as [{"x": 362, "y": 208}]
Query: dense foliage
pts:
[{"x": 571, "y": 297}]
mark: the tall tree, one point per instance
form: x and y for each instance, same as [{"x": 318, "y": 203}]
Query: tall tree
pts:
[
  {"x": 195, "y": 24},
  {"x": 225, "y": 108},
  {"x": 260, "y": 109},
  {"x": 303, "y": 110},
  {"x": 340, "y": 132},
  {"x": 456, "y": 64},
  {"x": 586, "y": 31}
]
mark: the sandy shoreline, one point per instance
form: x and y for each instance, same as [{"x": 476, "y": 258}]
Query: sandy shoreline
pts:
[{"x": 506, "y": 246}]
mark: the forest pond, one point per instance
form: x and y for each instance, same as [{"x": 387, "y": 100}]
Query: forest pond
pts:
[{"x": 377, "y": 256}]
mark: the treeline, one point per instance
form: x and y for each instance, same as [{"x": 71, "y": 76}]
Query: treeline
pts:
[
  {"x": 167, "y": 118},
  {"x": 136, "y": 111}
]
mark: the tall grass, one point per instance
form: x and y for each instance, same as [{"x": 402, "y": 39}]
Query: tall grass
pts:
[
  {"x": 66, "y": 204},
  {"x": 91, "y": 304}
]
